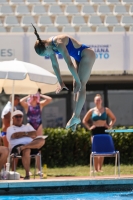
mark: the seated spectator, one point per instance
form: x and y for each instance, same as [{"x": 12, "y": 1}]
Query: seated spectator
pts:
[
  {"x": 33, "y": 108},
  {"x": 4, "y": 151},
  {"x": 22, "y": 140}
]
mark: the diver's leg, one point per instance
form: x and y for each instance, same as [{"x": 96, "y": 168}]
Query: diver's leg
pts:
[{"x": 84, "y": 71}]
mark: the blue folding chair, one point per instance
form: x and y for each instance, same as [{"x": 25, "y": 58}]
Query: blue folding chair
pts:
[{"x": 103, "y": 145}]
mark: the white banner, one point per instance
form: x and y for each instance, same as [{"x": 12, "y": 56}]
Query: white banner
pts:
[
  {"x": 113, "y": 51},
  {"x": 109, "y": 49},
  {"x": 11, "y": 46}
]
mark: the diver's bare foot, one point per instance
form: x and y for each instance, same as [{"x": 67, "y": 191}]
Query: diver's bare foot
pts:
[{"x": 72, "y": 122}]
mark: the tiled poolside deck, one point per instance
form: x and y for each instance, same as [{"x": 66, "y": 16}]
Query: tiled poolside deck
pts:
[{"x": 66, "y": 184}]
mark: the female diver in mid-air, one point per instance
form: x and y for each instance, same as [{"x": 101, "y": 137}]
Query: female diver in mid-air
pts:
[{"x": 84, "y": 60}]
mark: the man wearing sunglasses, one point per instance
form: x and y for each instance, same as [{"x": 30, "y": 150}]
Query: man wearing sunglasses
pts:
[{"x": 22, "y": 140}]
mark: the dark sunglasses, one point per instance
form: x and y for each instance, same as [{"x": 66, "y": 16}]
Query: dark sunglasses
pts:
[{"x": 18, "y": 116}]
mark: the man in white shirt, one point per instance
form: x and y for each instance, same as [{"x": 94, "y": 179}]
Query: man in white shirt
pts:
[
  {"x": 6, "y": 117},
  {"x": 22, "y": 140}
]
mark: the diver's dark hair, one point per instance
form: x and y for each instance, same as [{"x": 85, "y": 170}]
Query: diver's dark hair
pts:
[{"x": 39, "y": 46}]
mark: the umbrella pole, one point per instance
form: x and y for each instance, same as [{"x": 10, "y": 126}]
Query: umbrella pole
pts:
[
  {"x": 12, "y": 101},
  {"x": 8, "y": 159}
]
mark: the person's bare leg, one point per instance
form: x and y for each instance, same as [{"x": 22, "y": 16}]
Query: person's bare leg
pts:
[
  {"x": 1, "y": 141},
  {"x": 26, "y": 160},
  {"x": 3, "y": 156},
  {"x": 35, "y": 144},
  {"x": 16, "y": 163},
  {"x": 5, "y": 142},
  {"x": 84, "y": 71},
  {"x": 96, "y": 163},
  {"x": 101, "y": 163},
  {"x": 39, "y": 132}
]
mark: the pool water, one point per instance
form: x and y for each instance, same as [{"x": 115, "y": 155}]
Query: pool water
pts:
[{"x": 75, "y": 196}]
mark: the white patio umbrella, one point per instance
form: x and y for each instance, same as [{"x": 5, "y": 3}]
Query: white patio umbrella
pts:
[{"x": 17, "y": 77}]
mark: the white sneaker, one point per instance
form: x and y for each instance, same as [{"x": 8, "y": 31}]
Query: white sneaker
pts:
[
  {"x": 30, "y": 174},
  {"x": 39, "y": 173}
]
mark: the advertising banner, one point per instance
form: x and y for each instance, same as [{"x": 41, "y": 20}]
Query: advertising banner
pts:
[
  {"x": 11, "y": 46},
  {"x": 109, "y": 49},
  {"x": 113, "y": 51}
]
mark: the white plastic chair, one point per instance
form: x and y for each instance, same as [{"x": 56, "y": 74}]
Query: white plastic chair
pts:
[
  {"x": 131, "y": 10},
  {"x": 87, "y": 10},
  {"x": 111, "y": 20},
  {"x": 27, "y": 20},
  {"x": 103, "y": 10},
  {"x": 77, "y": 21},
  {"x": 49, "y": 2},
  {"x": 96, "y": 2},
  {"x": 44, "y": 21},
  {"x": 51, "y": 29},
  {"x": 68, "y": 29},
  {"x": 32, "y": 2},
  {"x": 71, "y": 10},
  {"x": 103, "y": 146},
  {"x": 119, "y": 10},
  {"x": 13, "y": 156},
  {"x": 85, "y": 29},
  {"x": 102, "y": 28},
  {"x": 6, "y": 10},
  {"x": 65, "y": 2},
  {"x": 61, "y": 20},
  {"x": 127, "y": 2},
  {"x": 16, "y": 29},
  {"x": 94, "y": 21},
  {"x": 38, "y": 10},
  {"x": 81, "y": 2},
  {"x": 118, "y": 29},
  {"x": 55, "y": 10},
  {"x": 16, "y": 2},
  {"x": 11, "y": 21},
  {"x": 22, "y": 10},
  {"x": 126, "y": 20},
  {"x": 2, "y": 29},
  {"x": 113, "y": 2}
]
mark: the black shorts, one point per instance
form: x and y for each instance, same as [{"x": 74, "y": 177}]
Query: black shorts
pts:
[
  {"x": 33, "y": 151},
  {"x": 99, "y": 130}
]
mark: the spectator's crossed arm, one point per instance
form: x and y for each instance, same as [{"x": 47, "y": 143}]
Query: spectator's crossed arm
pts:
[{"x": 17, "y": 135}]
